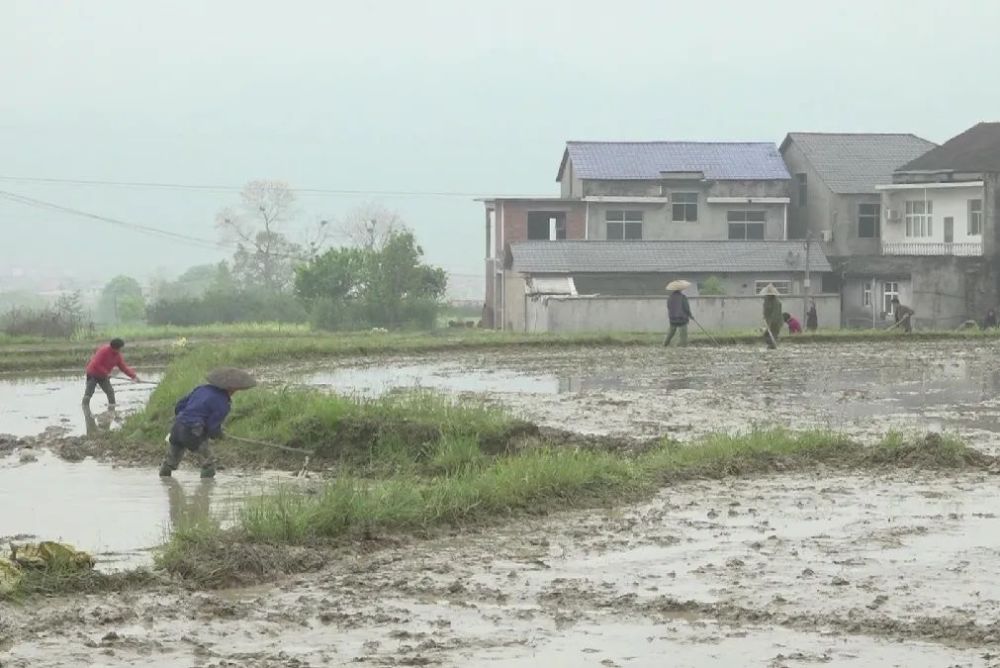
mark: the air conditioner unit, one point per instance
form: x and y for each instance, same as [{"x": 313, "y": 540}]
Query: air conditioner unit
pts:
[
  {"x": 892, "y": 215},
  {"x": 826, "y": 235}
]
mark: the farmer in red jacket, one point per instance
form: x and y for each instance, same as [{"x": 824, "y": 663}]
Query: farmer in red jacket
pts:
[{"x": 99, "y": 369}]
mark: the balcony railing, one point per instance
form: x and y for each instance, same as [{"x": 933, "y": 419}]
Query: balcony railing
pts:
[{"x": 963, "y": 249}]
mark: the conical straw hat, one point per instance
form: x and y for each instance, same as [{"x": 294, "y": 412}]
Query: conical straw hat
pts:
[
  {"x": 769, "y": 289},
  {"x": 679, "y": 284},
  {"x": 229, "y": 378}
]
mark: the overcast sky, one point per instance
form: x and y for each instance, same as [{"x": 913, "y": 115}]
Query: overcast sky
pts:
[{"x": 449, "y": 96}]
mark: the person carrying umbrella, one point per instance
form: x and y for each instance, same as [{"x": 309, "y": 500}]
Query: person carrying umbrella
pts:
[
  {"x": 773, "y": 319},
  {"x": 199, "y": 415},
  {"x": 678, "y": 311}
]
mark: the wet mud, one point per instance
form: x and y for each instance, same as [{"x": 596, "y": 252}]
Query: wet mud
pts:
[
  {"x": 821, "y": 568},
  {"x": 863, "y": 390},
  {"x": 793, "y": 570}
]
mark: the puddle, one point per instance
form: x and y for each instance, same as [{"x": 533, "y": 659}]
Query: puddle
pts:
[
  {"x": 865, "y": 390},
  {"x": 374, "y": 380},
  {"x": 117, "y": 514},
  {"x": 30, "y": 405}
]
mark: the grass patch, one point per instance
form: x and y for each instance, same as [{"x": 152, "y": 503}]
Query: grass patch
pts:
[
  {"x": 470, "y": 488},
  {"x": 59, "y": 581}
]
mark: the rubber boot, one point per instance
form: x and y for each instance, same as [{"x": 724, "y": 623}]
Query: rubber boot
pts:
[{"x": 165, "y": 470}]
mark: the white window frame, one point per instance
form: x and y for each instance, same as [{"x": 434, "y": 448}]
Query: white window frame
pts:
[
  {"x": 866, "y": 295},
  {"x": 919, "y": 218},
  {"x": 688, "y": 201},
  {"x": 975, "y": 224},
  {"x": 627, "y": 220},
  {"x": 890, "y": 289},
  {"x": 784, "y": 288}
]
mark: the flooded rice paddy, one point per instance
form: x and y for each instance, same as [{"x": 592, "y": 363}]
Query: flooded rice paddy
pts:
[{"x": 779, "y": 571}]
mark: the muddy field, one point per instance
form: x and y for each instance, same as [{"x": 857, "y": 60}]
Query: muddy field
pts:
[
  {"x": 781, "y": 571},
  {"x": 795, "y": 570},
  {"x": 864, "y": 390}
]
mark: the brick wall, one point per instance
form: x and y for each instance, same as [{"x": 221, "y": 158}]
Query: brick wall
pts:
[{"x": 514, "y": 214}]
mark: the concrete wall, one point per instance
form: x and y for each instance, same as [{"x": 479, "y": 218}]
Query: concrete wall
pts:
[
  {"x": 826, "y": 211},
  {"x": 662, "y": 187},
  {"x": 642, "y": 284},
  {"x": 649, "y": 314},
  {"x": 856, "y": 314},
  {"x": 512, "y": 219},
  {"x": 951, "y": 202},
  {"x": 712, "y": 222}
]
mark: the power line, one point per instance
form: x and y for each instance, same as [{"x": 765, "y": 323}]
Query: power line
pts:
[
  {"x": 146, "y": 229},
  {"x": 230, "y": 188}
]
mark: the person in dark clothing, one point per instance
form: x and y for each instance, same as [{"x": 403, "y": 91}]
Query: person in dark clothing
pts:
[
  {"x": 772, "y": 315},
  {"x": 198, "y": 417},
  {"x": 812, "y": 318},
  {"x": 679, "y": 314},
  {"x": 102, "y": 363},
  {"x": 904, "y": 315},
  {"x": 990, "y": 321}
]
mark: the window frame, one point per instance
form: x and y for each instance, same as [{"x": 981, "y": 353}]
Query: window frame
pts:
[
  {"x": 977, "y": 216},
  {"x": 746, "y": 223},
  {"x": 628, "y": 222},
  {"x": 783, "y": 286},
  {"x": 687, "y": 205},
  {"x": 875, "y": 219},
  {"x": 919, "y": 224},
  {"x": 887, "y": 295},
  {"x": 866, "y": 295}
]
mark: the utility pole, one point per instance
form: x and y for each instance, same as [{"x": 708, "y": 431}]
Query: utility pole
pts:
[{"x": 805, "y": 284}]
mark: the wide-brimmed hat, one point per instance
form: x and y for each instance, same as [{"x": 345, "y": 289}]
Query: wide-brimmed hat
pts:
[
  {"x": 679, "y": 284},
  {"x": 769, "y": 289},
  {"x": 230, "y": 378}
]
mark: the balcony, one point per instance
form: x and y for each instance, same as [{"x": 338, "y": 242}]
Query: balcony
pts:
[{"x": 963, "y": 249}]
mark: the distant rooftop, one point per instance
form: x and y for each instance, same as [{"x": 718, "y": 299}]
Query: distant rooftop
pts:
[
  {"x": 856, "y": 163},
  {"x": 565, "y": 257},
  {"x": 975, "y": 150},
  {"x": 732, "y": 161}
]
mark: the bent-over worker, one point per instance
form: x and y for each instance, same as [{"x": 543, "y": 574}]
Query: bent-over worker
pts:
[
  {"x": 904, "y": 315},
  {"x": 99, "y": 369},
  {"x": 794, "y": 326},
  {"x": 198, "y": 417},
  {"x": 772, "y": 315}
]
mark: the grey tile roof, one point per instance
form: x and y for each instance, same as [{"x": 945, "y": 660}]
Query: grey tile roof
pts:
[
  {"x": 856, "y": 163},
  {"x": 737, "y": 161},
  {"x": 565, "y": 257},
  {"x": 975, "y": 150}
]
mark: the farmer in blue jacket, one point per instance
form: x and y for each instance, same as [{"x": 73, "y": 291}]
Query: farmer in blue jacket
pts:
[{"x": 199, "y": 415}]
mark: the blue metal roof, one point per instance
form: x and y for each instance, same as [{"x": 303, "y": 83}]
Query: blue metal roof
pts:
[{"x": 732, "y": 161}]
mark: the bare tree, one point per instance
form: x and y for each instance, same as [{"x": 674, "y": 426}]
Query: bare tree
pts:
[
  {"x": 258, "y": 226},
  {"x": 370, "y": 226}
]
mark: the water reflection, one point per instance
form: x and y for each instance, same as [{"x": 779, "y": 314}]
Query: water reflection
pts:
[
  {"x": 102, "y": 423},
  {"x": 192, "y": 507}
]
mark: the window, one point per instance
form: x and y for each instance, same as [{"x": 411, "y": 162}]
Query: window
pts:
[
  {"x": 918, "y": 218},
  {"x": 746, "y": 224},
  {"x": 801, "y": 181},
  {"x": 623, "y": 225},
  {"x": 783, "y": 287},
  {"x": 685, "y": 208},
  {"x": 975, "y": 217},
  {"x": 866, "y": 294},
  {"x": 546, "y": 225},
  {"x": 868, "y": 220},
  {"x": 890, "y": 289}
]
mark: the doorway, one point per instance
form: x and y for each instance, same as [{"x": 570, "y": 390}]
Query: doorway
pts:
[{"x": 949, "y": 230}]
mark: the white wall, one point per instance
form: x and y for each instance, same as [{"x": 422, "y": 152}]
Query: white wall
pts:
[
  {"x": 953, "y": 202},
  {"x": 649, "y": 314}
]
